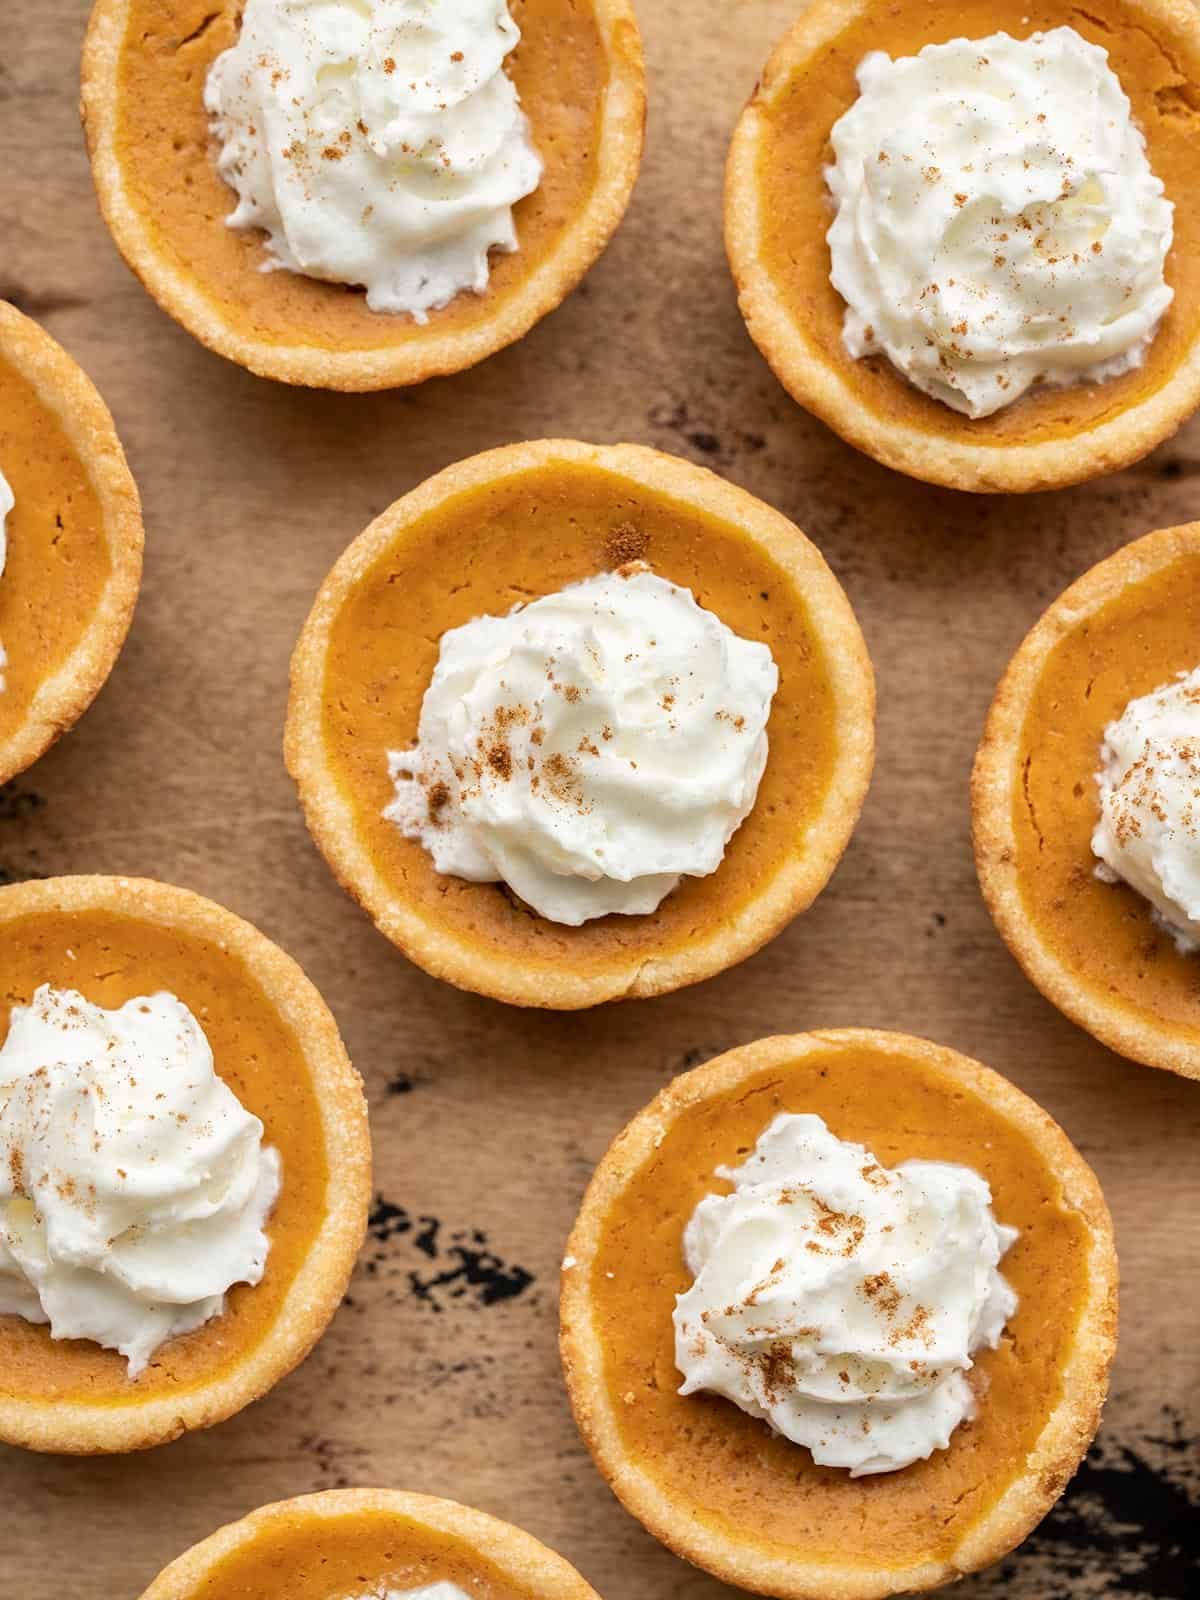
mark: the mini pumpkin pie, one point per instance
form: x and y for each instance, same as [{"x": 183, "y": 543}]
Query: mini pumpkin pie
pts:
[
  {"x": 70, "y": 542},
  {"x": 369, "y": 1544},
  {"x": 186, "y": 1167},
  {"x": 1084, "y": 794},
  {"x": 344, "y": 198},
  {"x": 996, "y": 301},
  {"x": 576, "y": 723},
  {"x": 837, "y": 1315}
]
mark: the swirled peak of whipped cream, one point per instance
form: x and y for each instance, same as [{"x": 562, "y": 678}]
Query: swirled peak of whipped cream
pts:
[
  {"x": 7, "y": 502},
  {"x": 376, "y": 142},
  {"x": 998, "y": 224},
  {"x": 589, "y": 749},
  {"x": 1148, "y": 835},
  {"x": 134, "y": 1186},
  {"x": 841, "y": 1301}
]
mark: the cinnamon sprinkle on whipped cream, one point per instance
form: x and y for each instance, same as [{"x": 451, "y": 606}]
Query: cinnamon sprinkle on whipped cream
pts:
[
  {"x": 997, "y": 223},
  {"x": 841, "y": 1301},
  {"x": 380, "y": 145},
  {"x": 134, "y": 1186},
  {"x": 589, "y": 749}
]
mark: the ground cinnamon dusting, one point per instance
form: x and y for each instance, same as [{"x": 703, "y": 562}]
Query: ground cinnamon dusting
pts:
[
  {"x": 511, "y": 716},
  {"x": 500, "y": 760},
  {"x": 882, "y": 1292},
  {"x": 774, "y": 1365},
  {"x": 1139, "y": 788},
  {"x": 562, "y": 779},
  {"x": 625, "y": 545},
  {"x": 437, "y": 800},
  {"x": 916, "y": 1328},
  {"x": 845, "y": 1230}
]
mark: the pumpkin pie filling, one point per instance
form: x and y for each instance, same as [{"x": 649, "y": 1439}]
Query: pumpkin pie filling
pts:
[
  {"x": 59, "y": 563},
  {"x": 111, "y": 959},
  {"x": 1104, "y": 933},
  {"x": 793, "y": 152},
  {"x": 560, "y": 68},
  {"x": 725, "y": 1470},
  {"x": 352, "y": 1555},
  {"x": 362, "y": 1544},
  {"x": 514, "y": 540}
]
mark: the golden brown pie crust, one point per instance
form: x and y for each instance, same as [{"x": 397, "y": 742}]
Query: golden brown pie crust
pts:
[
  {"x": 1124, "y": 629},
  {"x": 715, "y": 1484},
  {"x": 581, "y": 77},
  {"x": 278, "y": 1048},
  {"x": 525, "y": 521},
  {"x": 332, "y": 1546},
  {"x": 778, "y": 213},
  {"x": 74, "y": 542}
]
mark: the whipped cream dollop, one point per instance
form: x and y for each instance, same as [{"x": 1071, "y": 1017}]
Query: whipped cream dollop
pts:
[
  {"x": 1148, "y": 835},
  {"x": 841, "y": 1301},
  {"x": 376, "y": 142},
  {"x": 134, "y": 1186},
  {"x": 7, "y": 502},
  {"x": 590, "y": 749},
  {"x": 998, "y": 223}
]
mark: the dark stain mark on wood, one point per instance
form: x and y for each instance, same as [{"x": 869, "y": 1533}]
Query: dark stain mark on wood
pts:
[
  {"x": 18, "y": 803},
  {"x": 699, "y": 1054},
  {"x": 1169, "y": 469},
  {"x": 333, "y": 1470},
  {"x": 40, "y": 302},
  {"x": 1128, "y": 1527},
  {"x": 702, "y": 438},
  {"x": 406, "y": 1083},
  {"x": 464, "y": 1270}
]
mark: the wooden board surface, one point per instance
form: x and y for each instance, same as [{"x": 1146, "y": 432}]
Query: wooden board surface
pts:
[{"x": 441, "y": 1372}]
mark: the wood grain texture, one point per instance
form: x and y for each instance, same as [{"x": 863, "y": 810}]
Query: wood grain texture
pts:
[{"x": 441, "y": 1372}]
